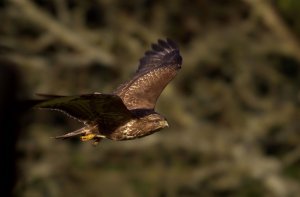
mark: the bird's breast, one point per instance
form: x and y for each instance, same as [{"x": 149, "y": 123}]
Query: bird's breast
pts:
[{"x": 135, "y": 128}]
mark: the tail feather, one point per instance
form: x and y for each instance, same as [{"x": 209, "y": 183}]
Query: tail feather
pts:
[{"x": 79, "y": 132}]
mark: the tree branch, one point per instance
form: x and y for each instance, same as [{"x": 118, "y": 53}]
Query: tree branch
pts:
[{"x": 69, "y": 37}]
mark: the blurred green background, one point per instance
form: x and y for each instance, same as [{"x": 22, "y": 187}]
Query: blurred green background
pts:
[{"x": 233, "y": 109}]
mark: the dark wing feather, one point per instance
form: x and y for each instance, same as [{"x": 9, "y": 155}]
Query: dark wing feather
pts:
[
  {"x": 49, "y": 96},
  {"x": 101, "y": 108},
  {"x": 156, "y": 69}
]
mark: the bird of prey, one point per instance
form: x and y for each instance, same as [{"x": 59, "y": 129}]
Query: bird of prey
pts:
[{"x": 129, "y": 112}]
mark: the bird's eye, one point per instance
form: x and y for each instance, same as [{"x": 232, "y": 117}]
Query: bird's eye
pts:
[{"x": 157, "y": 121}]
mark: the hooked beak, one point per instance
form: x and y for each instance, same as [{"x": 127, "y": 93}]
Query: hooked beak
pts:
[{"x": 164, "y": 124}]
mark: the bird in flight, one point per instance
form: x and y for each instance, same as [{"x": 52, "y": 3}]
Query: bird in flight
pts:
[{"x": 129, "y": 112}]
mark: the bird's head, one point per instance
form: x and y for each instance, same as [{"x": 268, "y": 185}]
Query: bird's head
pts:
[{"x": 157, "y": 121}]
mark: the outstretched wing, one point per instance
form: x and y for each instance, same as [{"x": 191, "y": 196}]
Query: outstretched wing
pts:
[
  {"x": 106, "y": 109},
  {"x": 156, "y": 69}
]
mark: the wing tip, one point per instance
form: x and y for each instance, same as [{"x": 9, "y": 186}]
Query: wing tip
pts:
[
  {"x": 163, "y": 51},
  {"x": 162, "y": 45}
]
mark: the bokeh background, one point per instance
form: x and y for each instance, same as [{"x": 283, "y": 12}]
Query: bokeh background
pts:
[{"x": 233, "y": 109}]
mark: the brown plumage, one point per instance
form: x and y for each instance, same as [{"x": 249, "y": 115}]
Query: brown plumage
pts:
[{"x": 128, "y": 112}]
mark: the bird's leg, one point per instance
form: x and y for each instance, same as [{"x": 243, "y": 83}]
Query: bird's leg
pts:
[
  {"x": 86, "y": 133},
  {"x": 87, "y": 137},
  {"x": 90, "y": 134},
  {"x": 93, "y": 134}
]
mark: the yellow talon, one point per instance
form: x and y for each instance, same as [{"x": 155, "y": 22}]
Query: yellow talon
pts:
[{"x": 87, "y": 137}]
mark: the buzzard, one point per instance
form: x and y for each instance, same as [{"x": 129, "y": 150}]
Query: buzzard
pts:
[{"x": 129, "y": 112}]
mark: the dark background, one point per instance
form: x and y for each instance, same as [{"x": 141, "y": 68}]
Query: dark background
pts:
[{"x": 233, "y": 109}]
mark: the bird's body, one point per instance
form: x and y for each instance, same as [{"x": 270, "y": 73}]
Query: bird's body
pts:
[
  {"x": 138, "y": 127},
  {"x": 128, "y": 112}
]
